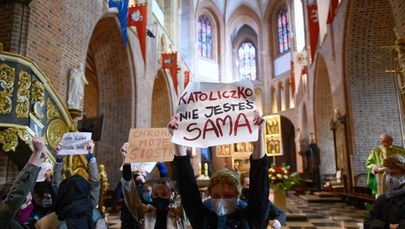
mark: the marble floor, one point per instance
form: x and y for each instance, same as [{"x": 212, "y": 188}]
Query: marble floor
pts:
[{"x": 303, "y": 214}]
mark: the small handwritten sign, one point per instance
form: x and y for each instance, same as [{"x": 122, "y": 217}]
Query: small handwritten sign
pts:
[
  {"x": 142, "y": 166},
  {"x": 44, "y": 167},
  {"x": 75, "y": 143},
  {"x": 149, "y": 145}
]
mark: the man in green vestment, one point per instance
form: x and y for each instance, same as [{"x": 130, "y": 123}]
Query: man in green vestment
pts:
[{"x": 376, "y": 159}]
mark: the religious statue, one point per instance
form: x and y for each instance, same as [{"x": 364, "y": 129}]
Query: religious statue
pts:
[{"x": 77, "y": 81}]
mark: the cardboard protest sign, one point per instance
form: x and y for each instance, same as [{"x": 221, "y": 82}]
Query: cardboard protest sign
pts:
[
  {"x": 212, "y": 114},
  {"x": 74, "y": 143},
  {"x": 142, "y": 166},
  {"x": 149, "y": 145},
  {"x": 44, "y": 167}
]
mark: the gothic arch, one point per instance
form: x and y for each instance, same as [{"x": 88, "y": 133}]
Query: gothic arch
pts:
[
  {"x": 273, "y": 99},
  {"x": 259, "y": 99},
  {"x": 281, "y": 96},
  {"x": 323, "y": 112},
  {"x": 270, "y": 24},
  {"x": 112, "y": 73},
  {"x": 161, "y": 101},
  {"x": 244, "y": 24},
  {"x": 211, "y": 12}
]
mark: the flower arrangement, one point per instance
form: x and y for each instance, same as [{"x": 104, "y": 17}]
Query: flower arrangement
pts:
[{"x": 281, "y": 177}]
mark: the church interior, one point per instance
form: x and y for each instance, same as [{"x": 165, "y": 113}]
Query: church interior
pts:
[{"x": 328, "y": 76}]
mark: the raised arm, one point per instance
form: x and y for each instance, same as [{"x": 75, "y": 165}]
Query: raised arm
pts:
[
  {"x": 190, "y": 196},
  {"x": 131, "y": 196},
  {"x": 259, "y": 180},
  {"x": 259, "y": 150},
  {"x": 94, "y": 178},
  {"x": 179, "y": 150},
  {"x": 23, "y": 184}
]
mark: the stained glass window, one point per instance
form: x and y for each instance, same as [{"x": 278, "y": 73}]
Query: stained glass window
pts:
[
  {"x": 283, "y": 30},
  {"x": 247, "y": 61},
  {"x": 204, "y": 33}
]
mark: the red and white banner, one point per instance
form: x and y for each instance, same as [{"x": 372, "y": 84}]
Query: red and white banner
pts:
[
  {"x": 332, "y": 11},
  {"x": 186, "y": 78},
  {"x": 137, "y": 17},
  {"x": 313, "y": 27},
  {"x": 169, "y": 61}
]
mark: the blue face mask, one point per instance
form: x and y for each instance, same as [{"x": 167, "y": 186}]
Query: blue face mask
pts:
[
  {"x": 393, "y": 183},
  {"x": 46, "y": 203},
  {"x": 147, "y": 197}
]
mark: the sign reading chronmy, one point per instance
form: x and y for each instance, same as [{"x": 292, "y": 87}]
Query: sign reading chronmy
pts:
[
  {"x": 212, "y": 114},
  {"x": 149, "y": 145},
  {"x": 75, "y": 143}
]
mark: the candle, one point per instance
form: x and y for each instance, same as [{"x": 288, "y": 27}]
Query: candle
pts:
[
  {"x": 199, "y": 169},
  {"x": 206, "y": 169}
]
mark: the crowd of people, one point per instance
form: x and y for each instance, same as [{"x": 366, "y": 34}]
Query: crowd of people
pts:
[{"x": 235, "y": 200}]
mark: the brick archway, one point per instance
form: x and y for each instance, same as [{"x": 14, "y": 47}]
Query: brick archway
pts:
[
  {"x": 161, "y": 101},
  {"x": 323, "y": 110},
  {"x": 108, "y": 61}
]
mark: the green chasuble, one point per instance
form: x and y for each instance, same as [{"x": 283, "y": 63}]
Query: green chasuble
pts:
[{"x": 376, "y": 157}]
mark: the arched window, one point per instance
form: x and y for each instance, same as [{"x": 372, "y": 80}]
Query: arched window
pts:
[
  {"x": 247, "y": 61},
  {"x": 283, "y": 30},
  {"x": 204, "y": 37}
]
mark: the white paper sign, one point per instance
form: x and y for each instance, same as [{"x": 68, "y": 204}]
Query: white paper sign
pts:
[
  {"x": 142, "y": 166},
  {"x": 74, "y": 143},
  {"x": 44, "y": 167},
  {"x": 212, "y": 114}
]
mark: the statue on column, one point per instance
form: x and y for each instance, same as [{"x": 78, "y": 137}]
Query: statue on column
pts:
[{"x": 77, "y": 81}]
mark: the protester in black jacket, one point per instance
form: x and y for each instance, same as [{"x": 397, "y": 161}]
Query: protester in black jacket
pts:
[{"x": 224, "y": 188}]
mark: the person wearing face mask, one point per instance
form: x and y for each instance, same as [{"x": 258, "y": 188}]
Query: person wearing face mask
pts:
[
  {"x": 376, "y": 158},
  {"x": 161, "y": 213},
  {"x": 16, "y": 206},
  {"x": 224, "y": 188},
  {"x": 43, "y": 196},
  {"x": 388, "y": 210}
]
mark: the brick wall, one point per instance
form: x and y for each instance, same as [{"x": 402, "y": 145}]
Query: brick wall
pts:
[
  {"x": 58, "y": 37},
  {"x": 371, "y": 92}
]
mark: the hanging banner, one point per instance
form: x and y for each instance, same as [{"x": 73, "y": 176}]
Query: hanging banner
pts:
[
  {"x": 137, "y": 17},
  {"x": 332, "y": 11},
  {"x": 122, "y": 6},
  {"x": 169, "y": 61},
  {"x": 313, "y": 27},
  {"x": 292, "y": 79},
  {"x": 211, "y": 114},
  {"x": 186, "y": 78}
]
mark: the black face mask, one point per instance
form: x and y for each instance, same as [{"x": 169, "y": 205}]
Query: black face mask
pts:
[
  {"x": 245, "y": 193},
  {"x": 160, "y": 203}
]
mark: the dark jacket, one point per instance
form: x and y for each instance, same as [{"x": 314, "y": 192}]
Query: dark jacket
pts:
[
  {"x": 253, "y": 216},
  {"x": 23, "y": 184},
  {"x": 387, "y": 209}
]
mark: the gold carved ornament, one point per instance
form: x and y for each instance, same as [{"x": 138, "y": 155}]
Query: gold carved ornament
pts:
[
  {"x": 9, "y": 139},
  {"x": 23, "y": 95},
  {"x": 7, "y": 75},
  {"x": 38, "y": 95},
  {"x": 51, "y": 111},
  {"x": 55, "y": 132}
]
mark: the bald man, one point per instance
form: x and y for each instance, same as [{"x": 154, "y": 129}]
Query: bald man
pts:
[{"x": 376, "y": 158}]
